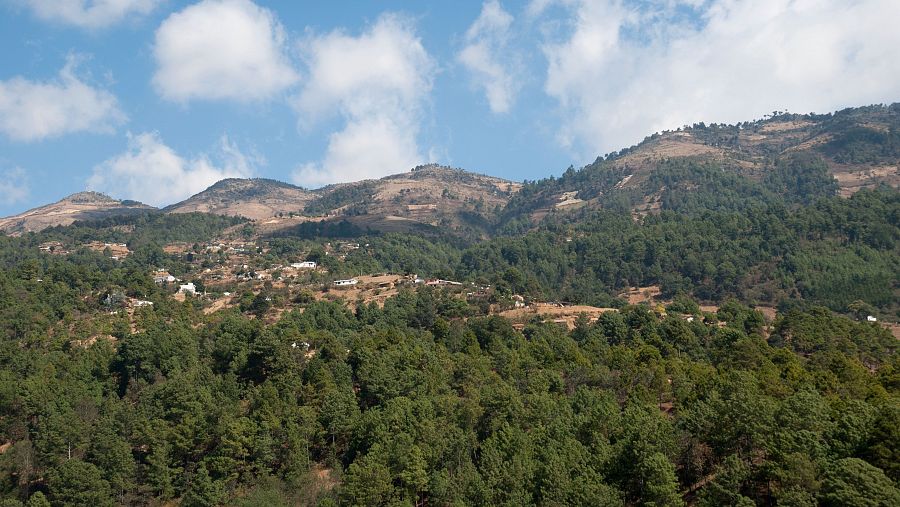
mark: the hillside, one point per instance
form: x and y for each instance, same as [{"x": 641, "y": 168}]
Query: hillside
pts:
[
  {"x": 795, "y": 157},
  {"x": 428, "y": 195},
  {"x": 80, "y": 206},
  {"x": 256, "y": 199},
  {"x": 423, "y": 199},
  {"x": 858, "y": 148}
]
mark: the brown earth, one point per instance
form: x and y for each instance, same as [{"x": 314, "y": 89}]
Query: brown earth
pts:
[
  {"x": 564, "y": 315},
  {"x": 637, "y": 295},
  {"x": 119, "y": 250}
]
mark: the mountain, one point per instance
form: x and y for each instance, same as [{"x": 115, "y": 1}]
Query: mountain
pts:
[
  {"x": 429, "y": 197},
  {"x": 80, "y": 206},
  {"x": 256, "y": 199},
  {"x": 855, "y": 148},
  {"x": 798, "y": 157}
]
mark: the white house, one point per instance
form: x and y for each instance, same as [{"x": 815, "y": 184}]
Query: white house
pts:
[
  {"x": 870, "y": 318},
  {"x": 440, "y": 282},
  {"x": 188, "y": 288},
  {"x": 346, "y": 283},
  {"x": 163, "y": 278},
  {"x": 304, "y": 265}
]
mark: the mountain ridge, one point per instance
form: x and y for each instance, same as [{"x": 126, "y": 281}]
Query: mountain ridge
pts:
[{"x": 858, "y": 147}]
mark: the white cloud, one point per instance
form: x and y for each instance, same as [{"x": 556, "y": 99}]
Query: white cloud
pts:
[
  {"x": 367, "y": 148},
  {"x": 221, "y": 49},
  {"x": 153, "y": 173},
  {"x": 487, "y": 57},
  {"x": 34, "y": 110},
  {"x": 378, "y": 83},
  {"x": 90, "y": 13},
  {"x": 624, "y": 71},
  {"x": 13, "y": 186}
]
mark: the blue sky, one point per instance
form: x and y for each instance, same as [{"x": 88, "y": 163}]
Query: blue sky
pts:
[{"x": 156, "y": 99}]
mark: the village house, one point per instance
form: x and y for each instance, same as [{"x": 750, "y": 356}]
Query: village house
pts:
[
  {"x": 52, "y": 247},
  {"x": 163, "y": 277},
  {"x": 518, "y": 301},
  {"x": 188, "y": 288},
  {"x": 441, "y": 283},
  {"x": 350, "y": 282},
  {"x": 304, "y": 265}
]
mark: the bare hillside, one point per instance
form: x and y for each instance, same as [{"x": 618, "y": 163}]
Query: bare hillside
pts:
[
  {"x": 256, "y": 199},
  {"x": 80, "y": 206}
]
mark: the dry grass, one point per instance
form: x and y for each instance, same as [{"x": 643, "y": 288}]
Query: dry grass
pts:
[
  {"x": 564, "y": 315},
  {"x": 782, "y": 126},
  {"x": 852, "y": 178},
  {"x": 637, "y": 295}
]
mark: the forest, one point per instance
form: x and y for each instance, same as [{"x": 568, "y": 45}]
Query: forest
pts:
[
  {"x": 427, "y": 401},
  {"x": 412, "y": 405}
]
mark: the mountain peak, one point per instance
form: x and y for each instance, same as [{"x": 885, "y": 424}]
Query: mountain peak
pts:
[
  {"x": 254, "y": 198},
  {"x": 261, "y": 183},
  {"x": 80, "y": 206},
  {"x": 89, "y": 196}
]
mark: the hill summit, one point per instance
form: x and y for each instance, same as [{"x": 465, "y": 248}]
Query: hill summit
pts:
[
  {"x": 79, "y": 206},
  {"x": 254, "y": 198}
]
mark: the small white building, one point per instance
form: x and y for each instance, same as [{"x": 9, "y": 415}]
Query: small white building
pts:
[
  {"x": 188, "y": 288},
  {"x": 304, "y": 265},
  {"x": 441, "y": 283},
  {"x": 163, "y": 278},
  {"x": 345, "y": 283},
  {"x": 140, "y": 303},
  {"x": 871, "y": 318}
]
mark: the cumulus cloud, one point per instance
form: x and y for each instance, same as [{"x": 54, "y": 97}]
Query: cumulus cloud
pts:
[
  {"x": 221, "y": 49},
  {"x": 34, "y": 110},
  {"x": 621, "y": 71},
  {"x": 89, "y": 13},
  {"x": 377, "y": 83},
  {"x": 487, "y": 58},
  {"x": 13, "y": 186},
  {"x": 153, "y": 173}
]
